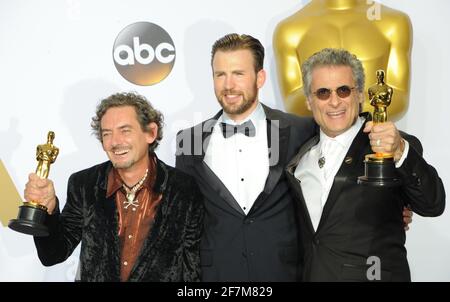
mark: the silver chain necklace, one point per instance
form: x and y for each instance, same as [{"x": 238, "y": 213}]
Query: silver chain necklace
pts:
[{"x": 131, "y": 194}]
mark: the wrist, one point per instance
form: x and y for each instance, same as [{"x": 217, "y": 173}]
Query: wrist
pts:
[
  {"x": 399, "y": 152},
  {"x": 51, "y": 206}
]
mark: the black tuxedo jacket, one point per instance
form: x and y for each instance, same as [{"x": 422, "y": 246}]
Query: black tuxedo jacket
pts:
[
  {"x": 359, "y": 221},
  {"x": 171, "y": 250},
  {"x": 263, "y": 245}
]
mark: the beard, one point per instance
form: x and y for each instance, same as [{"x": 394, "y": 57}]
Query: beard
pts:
[
  {"x": 119, "y": 164},
  {"x": 123, "y": 165},
  {"x": 238, "y": 108}
]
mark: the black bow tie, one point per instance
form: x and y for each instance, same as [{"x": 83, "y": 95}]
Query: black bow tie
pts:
[{"x": 246, "y": 128}]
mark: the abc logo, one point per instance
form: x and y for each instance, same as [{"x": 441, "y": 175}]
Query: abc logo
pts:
[{"x": 144, "y": 53}]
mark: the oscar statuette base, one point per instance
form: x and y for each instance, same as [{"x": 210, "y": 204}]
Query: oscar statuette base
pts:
[
  {"x": 379, "y": 172},
  {"x": 30, "y": 220}
]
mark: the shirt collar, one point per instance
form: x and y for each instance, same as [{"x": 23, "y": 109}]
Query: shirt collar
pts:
[
  {"x": 115, "y": 181},
  {"x": 257, "y": 116},
  {"x": 345, "y": 139}
]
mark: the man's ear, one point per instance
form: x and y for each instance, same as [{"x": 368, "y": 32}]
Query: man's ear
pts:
[
  {"x": 308, "y": 105},
  {"x": 260, "y": 78},
  {"x": 361, "y": 101},
  {"x": 152, "y": 132}
]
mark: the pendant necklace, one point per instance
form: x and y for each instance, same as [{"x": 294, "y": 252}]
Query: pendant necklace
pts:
[{"x": 131, "y": 193}]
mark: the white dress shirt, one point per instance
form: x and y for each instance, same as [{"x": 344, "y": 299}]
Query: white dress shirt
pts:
[
  {"x": 240, "y": 162},
  {"x": 316, "y": 182}
]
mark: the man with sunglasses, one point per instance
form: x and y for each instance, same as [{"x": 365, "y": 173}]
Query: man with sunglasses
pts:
[{"x": 352, "y": 232}]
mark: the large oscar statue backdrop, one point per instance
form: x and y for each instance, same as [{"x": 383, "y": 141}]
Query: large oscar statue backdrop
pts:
[{"x": 378, "y": 35}]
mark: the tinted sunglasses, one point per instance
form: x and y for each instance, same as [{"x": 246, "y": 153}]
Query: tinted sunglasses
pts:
[{"x": 325, "y": 93}]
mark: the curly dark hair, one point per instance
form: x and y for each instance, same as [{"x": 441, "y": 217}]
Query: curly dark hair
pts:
[{"x": 144, "y": 110}]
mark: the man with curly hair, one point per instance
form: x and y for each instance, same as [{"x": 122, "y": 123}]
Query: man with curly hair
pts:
[{"x": 138, "y": 219}]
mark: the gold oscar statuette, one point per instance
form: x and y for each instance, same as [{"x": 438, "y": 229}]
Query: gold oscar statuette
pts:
[
  {"x": 379, "y": 168},
  {"x": 31, "y": 217}
]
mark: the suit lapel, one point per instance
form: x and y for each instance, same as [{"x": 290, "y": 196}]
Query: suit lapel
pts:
[
  {"x": 278, "y": 132},
  {"x": 108, "y": 210},
  {"x": 205, "y": 174},
  {"x": 278, "y": 140},
  {"x": 296, "y": 184},
  {"x": 356, "y": 154},
  {"x": 217, "y": 186}
]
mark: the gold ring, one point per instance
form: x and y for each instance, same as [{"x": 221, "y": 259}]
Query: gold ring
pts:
[{"x": 378, "y": 142}]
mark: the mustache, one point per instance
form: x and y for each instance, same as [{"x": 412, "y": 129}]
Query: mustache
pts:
[
  {"x": 231, "y": 91},
  {"x": 120, "y": 148}
]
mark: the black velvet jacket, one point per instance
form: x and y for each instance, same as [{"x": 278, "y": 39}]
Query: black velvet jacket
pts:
[{"x": 171, "y": 250}]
